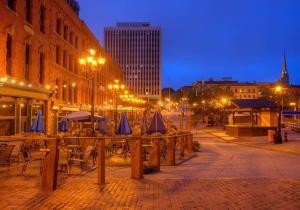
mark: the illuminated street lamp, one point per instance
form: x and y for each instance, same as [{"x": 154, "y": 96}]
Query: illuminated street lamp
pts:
[
  {"x": 116, "y": 87},
  {"x": 91, "y": 64},
  {"x": 278, "y": 137}
]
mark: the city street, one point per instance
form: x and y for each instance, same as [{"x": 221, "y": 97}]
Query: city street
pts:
[{"x": 222, "y": 176}]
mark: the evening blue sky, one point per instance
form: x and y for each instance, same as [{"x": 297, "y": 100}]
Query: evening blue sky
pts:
[{"x": 205, "y": 39}]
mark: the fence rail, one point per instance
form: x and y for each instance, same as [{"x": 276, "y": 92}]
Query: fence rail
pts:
[
  {"x": 294, "y": 126},
  {"x": 50, "y": 162}
]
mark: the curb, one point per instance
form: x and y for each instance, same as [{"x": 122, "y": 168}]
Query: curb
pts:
[{"x": 257, "y": 147}]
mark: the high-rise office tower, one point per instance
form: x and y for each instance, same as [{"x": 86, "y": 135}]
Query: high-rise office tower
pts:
[{"x": 137, "y": 48}]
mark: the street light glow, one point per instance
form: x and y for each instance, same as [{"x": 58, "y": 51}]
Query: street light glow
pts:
[
  {"x": 82, "y": 61},
  {"x": 3, "y": 79},
  {"x": 101, "y": 61},
  {"x": 278, "y": 89},
  {"x": 92, "y": 52}
]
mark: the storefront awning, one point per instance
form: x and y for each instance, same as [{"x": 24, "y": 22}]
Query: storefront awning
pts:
[{"x": 24, "y": 92}]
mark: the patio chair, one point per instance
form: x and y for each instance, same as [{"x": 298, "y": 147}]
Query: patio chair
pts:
[
  {"x": 84, "y": 158},
  {"x": 27, "y": 157},
  {"x": 163, "y": 148},
  {"x": 5, "y": 155},
  {"x": 16, "y": 153},
  {"x": 74, "y": 146},
  {"x": 63, "y": 162}
]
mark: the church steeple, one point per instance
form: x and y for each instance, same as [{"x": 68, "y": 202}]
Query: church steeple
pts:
[{"x": 284, "y": 78}]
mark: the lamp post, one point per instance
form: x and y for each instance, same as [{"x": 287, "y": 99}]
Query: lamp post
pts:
[
  {"x": 115, "y": 88},
  {"x": 224, "y": 102},
  {"x": 278, "y": 137},
  {"x": 91, "y": 64}
]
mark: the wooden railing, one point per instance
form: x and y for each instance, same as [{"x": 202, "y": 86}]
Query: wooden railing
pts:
[{"x": 50, "y": 163}]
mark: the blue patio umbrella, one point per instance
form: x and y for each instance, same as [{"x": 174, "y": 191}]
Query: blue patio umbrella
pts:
[
  {"x": 157, "y": 124},
  {"x": 38, "y": 125},
  {"x": 63, "y": 125},
  {"x": 124, "y": 127}
]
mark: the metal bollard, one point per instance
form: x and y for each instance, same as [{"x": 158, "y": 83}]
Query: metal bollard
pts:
[{"x": 285, "y": 136}]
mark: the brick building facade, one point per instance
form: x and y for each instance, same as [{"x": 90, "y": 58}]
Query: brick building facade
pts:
[{"x": 40, "y": 44}]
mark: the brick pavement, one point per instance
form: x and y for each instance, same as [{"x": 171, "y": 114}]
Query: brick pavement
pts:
[
  {"x": 124, "y": 193},
  {"x": 222, "y": 176}
]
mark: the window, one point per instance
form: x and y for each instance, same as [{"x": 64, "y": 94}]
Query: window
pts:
[
  {"x": 28, "y": 11},
  {"x": 11, "y": 4},
  {"x": 64, "y": 91},
  {"x": 42, "y": 68},
  {"x": 65, "y": 59},
  {"x": 75, "y": 66},
  {"x": 9, "y": 54},
  {"x": 70, "y": 93},
  {"x": 71, "y": 63},
  {"x": 42, "y": 18},
  {"x": 76, "y": 42},
  {"x": 66, "y": 31},
  {"x": 75, "y": 94},
  {"x": 57, "y": 54},
  {"x": 83, "y": 45},
  {"x": 58, "y": 26},
  {"x": 27, "y": 61},
  {"x": 57, "y": 88},
  {"x": 71, "y": 38}
]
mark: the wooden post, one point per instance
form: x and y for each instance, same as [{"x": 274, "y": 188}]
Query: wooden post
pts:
[
  {"x": 101, "y": 161},
  {"x": 188, "y": 121},
  {"x": 155, "y": 154},
  {"x": 137, "y": 160},
  {"x": 181, "y": 146},
  {"x": 189, "y": 139},
  {"x": 171, "y": 151},
  {"x": 180, "y": 120},
  {"x": 50, "y": 163}
]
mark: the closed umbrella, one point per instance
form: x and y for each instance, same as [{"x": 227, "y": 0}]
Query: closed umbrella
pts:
[
  {"x": 124, "y": 127},
  {"x": 157, "y": 124},
  {"x": 38, "y": 125}
]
